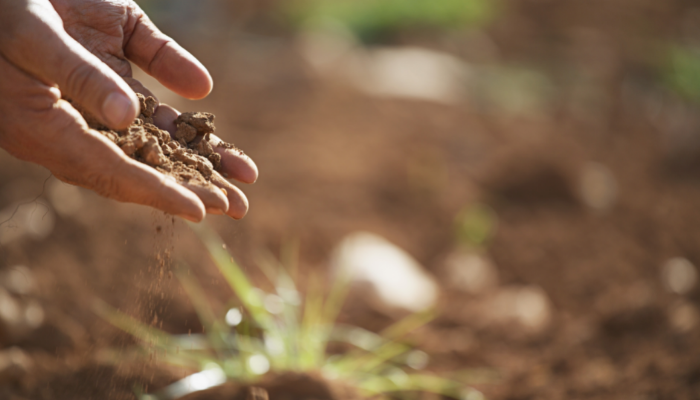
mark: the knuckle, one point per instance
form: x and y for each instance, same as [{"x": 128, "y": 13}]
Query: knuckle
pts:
[{"x": 78, "y": 78}]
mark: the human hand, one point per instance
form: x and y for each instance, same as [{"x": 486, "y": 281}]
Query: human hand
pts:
[{"x": 83, "y": 57}]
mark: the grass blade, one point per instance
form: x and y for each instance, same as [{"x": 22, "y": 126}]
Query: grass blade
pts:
[{"x": 235, "y": 276}]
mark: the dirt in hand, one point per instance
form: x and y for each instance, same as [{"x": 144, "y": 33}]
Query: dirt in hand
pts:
[{"x": 188, "y": 155}]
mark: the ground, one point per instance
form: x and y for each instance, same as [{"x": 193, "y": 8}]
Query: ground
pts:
[{"x": 334, "y": 160}]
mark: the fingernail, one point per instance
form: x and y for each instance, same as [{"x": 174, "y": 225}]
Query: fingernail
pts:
[
  {"x": 215, "y": 211},
  {"x": 115, "y": 108}
]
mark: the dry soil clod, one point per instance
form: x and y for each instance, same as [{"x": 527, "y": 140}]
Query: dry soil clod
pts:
[{"x": 187, "y": 156}]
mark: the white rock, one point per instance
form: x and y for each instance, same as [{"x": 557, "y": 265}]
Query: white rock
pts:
[
  {"x": 413, "y": 73},
  {"x": 396, "y": 278},
  {"x": 470, "y": 273},
  {"x": 679, "y": 275},
  {"x": 398, "y": 72}
]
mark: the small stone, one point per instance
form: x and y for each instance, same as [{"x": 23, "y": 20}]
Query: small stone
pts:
[{"x": 397, "y": 279}]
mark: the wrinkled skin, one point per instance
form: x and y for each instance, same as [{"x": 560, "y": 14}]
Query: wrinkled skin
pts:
[{"x": 79, "y": 49}]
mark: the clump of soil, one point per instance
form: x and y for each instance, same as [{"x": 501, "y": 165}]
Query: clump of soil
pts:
[{"x": 187, "y": 155}]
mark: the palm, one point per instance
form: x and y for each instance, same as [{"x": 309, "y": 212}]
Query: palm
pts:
[{"x": 102, "y": 27}]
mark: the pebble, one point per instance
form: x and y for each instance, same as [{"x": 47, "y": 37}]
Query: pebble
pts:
[
  {"x": 397, "y": 279},
  {"x": 397, "y": 72}
]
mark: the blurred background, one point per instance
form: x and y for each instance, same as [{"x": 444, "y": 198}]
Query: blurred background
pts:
[{"x": 536, "y": 161}]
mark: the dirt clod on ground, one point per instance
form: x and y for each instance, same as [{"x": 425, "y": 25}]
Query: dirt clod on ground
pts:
[{"x": 188, "y": 155}]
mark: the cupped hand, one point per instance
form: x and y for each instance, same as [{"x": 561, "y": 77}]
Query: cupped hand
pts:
[{"x": 79, "y": 49}]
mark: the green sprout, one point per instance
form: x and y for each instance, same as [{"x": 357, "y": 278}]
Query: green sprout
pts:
[
  {"x": 683, "y": 72},
  {"x": 372, "y": 19},
  {"x": 282, "y": 332},
  {"x": 475, "y": 225}
]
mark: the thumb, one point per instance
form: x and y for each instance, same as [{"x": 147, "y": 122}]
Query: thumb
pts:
[{"x": 37, "y": 43}]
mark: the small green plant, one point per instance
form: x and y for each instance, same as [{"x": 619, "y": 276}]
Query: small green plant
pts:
[
  {"x": 372, "y": 19},
  {"x": 475, "y": 225},
  {"x": 682, "y": 73},
  {"x": 282, "y": 332}
]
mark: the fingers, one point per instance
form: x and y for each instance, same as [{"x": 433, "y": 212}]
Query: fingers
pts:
[
  {"x": 86, "y": 158},
  {"x": 133, "y": 182},
  {"x": 213, "y": 198},
  {"x": 164, "y": 118},
  {"x": 34, "y": 40},
  {"x": 238, "y": 202},
  {"x": 162, "y": 58},
  {"x": 235, "y": 163}
]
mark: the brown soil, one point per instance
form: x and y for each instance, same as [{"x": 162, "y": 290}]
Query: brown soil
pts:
[{"x": 188, "y": 155}]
